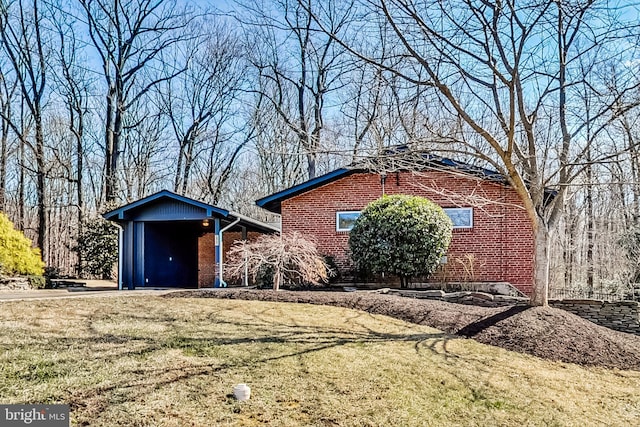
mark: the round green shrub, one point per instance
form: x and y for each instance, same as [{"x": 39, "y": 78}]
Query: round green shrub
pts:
[
  {"x": 402, "y": 235},
  {"x": 17, "y": 256}
]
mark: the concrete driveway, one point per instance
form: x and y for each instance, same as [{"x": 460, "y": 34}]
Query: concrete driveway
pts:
[{"x": 91, "y": 288}]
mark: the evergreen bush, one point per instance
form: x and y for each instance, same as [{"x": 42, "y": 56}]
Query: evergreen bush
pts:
[
  {"x": 98, "y": 246},
  {"x": 402, "y": 235},
  {"x": 37, "y": 282}
]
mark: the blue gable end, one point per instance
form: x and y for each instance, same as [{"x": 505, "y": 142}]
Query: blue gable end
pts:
[
  {"x": 165, "y": 206},
  {"x": 167, "y": 210}
]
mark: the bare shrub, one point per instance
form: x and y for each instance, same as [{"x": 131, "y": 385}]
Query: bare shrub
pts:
[
  {"x": 471, "y": 265},
  {"x": 288, "y": 257}
]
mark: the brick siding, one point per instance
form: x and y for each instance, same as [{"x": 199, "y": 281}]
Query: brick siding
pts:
[
  {"x": 207, "y": 270},
  {"x": 207, "y": 267},
  {"x": 501, "y": 240}
]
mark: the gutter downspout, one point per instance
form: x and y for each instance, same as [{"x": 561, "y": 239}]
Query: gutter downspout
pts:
[
  {"x": 222, "y": 283},
  {"x": 120, "y": 239}
]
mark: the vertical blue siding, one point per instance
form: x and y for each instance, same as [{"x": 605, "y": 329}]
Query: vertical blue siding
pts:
[
  {"x": 127, "y": 251},
  {"x": 216, "y": 231},
  {"x": 138, "y": 255},
  {"x": 168, "y": 210}
]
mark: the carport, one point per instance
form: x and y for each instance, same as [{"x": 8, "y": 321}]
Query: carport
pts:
[{"x": 168, "y": 240}]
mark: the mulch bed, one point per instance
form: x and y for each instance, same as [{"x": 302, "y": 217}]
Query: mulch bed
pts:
[{"x": 544, "y": 332}]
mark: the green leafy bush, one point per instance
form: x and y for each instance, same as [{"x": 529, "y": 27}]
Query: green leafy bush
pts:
[
  {"x": 17, "y": 256},
  {"x": 37, "y": 282},
  {"x": 400, "y": 235},
  {"x": 98, "y": 245}
]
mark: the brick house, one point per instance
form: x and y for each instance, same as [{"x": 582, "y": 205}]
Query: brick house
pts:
[{"x": 492, "y": 236}]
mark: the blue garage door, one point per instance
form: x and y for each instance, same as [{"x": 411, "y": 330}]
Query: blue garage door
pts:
[{"x": 171, "y": 254}]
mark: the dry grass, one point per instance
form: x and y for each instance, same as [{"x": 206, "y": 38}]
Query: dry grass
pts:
[{"x": 156, "y": 362}]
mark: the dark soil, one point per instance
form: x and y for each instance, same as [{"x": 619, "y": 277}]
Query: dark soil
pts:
[{"x": 544, "y": 332}]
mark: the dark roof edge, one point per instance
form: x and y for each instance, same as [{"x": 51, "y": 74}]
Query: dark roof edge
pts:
[
  {"x": 258, "y": 224},
  {"x": 118, "y": 214},
  {"x": 272, "y": 202}
]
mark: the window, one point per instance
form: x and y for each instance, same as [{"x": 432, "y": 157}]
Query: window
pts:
[
  {"x": 461, "y": 217},
  {"x": 345, "y": 220}
]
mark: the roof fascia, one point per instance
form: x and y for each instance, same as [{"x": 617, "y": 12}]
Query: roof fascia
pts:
[
  {"x": 259, "y": 224},
  {"x": 269, "y": 201},
  {"x": 272, "y": 202}
]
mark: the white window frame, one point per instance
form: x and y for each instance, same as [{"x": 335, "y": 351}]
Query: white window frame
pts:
[
  {"x": 338, "y": 213},
  {"x": 461, "y": 227}
]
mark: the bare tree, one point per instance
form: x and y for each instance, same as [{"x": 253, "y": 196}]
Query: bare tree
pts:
[
  {"x": 130, "y": 37},
  {"x": 279, "y": 164},
  {"x": 73, "y": 84},
  {"x": 383, "y": 111},
  {"x": 298, "y": 67},
  {"x": 7, "y": 92},
  {"x": 503, "y": 69},
  {"x": 24, "y": 44},
  {"x": 144, "y": 151},
  {"x": 202, "y": 106}
]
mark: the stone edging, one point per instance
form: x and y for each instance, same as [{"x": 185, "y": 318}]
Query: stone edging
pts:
[
  {"x": 465, "y": 297},
  {"x": 14, "y": 284},
  {"x": 623, "y": 316}
]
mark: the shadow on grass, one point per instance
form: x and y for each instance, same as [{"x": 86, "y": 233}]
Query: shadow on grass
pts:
[
  {"x": 138, "y": 382},
  {"x": 103, "y": 340}
]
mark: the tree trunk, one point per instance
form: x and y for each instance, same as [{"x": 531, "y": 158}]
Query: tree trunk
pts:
[
  {"x": 21, "y": 185},
  {"x": 79, "y": 132},
  {"x": 311, "y": 165},
  {"x": 277, "y": 278},
  {"x": 109, "y": 191},
  {"x": 40, "y": 189},
  {"x": 542, "y": 239},
  {"x": 4, "y": 142},
  {"x": 3, "y": 165},
  {"x": 177, "y": 178},
  {"x": 404, "y": 282},
  {"x": 113, "y": 129},
  {"x": 568, "y": 253},
  {"x": 590, "y": 235},
  {"x": 188, "y": 162}
]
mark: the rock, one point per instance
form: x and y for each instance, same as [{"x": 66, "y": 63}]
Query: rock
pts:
[{"x": 14, "y": 283}]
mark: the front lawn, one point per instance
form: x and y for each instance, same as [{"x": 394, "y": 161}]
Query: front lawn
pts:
[{"x": 151, "y": 361}]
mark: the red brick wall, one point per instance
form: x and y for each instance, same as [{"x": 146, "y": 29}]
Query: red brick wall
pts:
[
  {"x": 501, "y": 240},
  {"x": 206, "y": 261},
  {"x": 230, "y": 237},
  {"x": 207, "y": 267}
]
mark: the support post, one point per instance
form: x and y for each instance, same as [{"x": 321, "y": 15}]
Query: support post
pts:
[
  {"x": 217, "y": 243},
  {"x": 219, "y": 237},
  {"x": 120, "y": 255}
]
